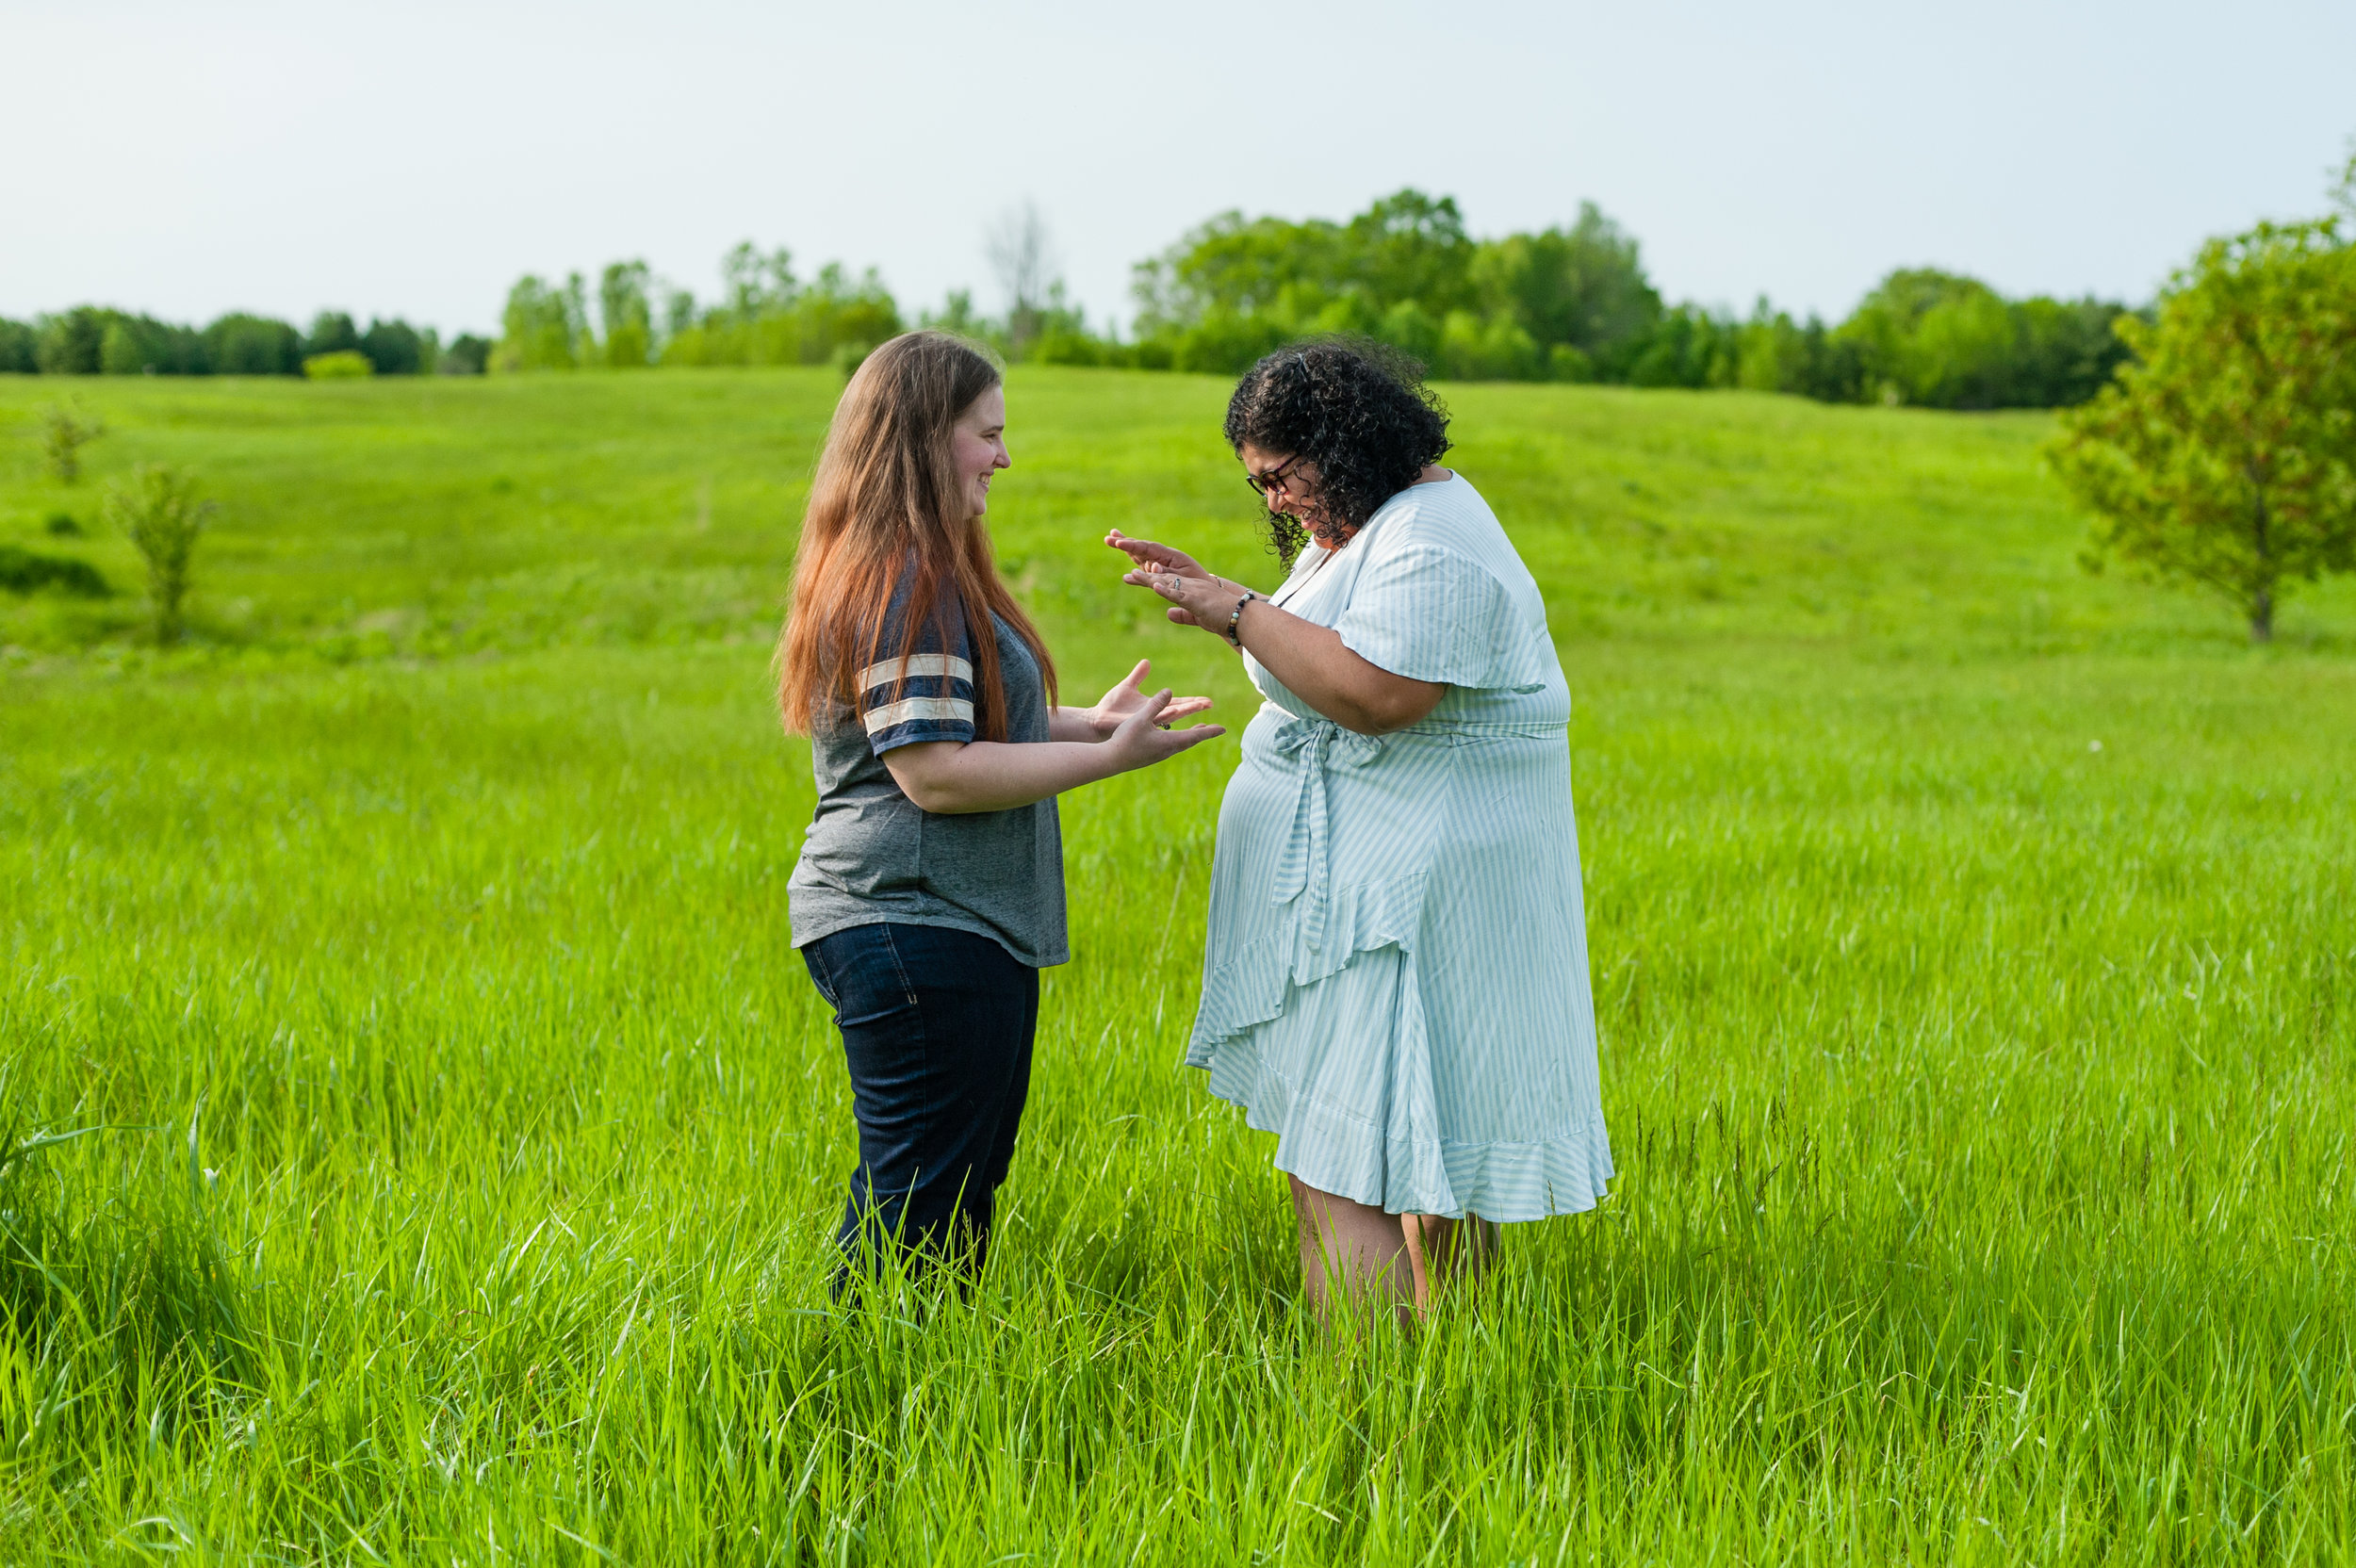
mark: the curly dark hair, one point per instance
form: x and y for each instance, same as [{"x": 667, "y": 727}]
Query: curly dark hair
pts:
[{"x": 1359, "y": 410}]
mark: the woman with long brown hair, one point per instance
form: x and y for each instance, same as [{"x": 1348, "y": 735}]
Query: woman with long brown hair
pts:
[{"x": 930, "y": 892}]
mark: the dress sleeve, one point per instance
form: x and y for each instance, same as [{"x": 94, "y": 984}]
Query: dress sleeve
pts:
[
  {"x": 1430, "y": 612},
  {"x": 928, "y": 695}
]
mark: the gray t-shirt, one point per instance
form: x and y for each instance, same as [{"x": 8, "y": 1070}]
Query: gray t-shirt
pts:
[{"x": 873, "y": 855}]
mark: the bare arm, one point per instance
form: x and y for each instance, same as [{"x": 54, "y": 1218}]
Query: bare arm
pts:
[
  {"x": 955, "y": 777},
  {"x": 1310, "y": 660},
  {"x": 1315, "y": 665}
]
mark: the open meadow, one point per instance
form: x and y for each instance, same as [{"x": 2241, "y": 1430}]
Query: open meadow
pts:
[{"x": 1974, "y": 945}]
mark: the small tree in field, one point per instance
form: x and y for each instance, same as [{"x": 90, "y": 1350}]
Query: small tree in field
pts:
[
  {"x": 158, "y": 512},
  {"x": 63, "y": 434},
  {"x": 2225, "y": 459}
]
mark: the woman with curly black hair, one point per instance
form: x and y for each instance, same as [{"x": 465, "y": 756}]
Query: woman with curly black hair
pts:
[{"x": 1396, "y": 975}]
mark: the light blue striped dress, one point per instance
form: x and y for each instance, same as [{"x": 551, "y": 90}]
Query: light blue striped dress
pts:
[{"x": 1396, "y": 978}]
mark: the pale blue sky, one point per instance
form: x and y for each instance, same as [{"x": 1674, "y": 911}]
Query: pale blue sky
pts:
[{"x": 189, "y": 158}]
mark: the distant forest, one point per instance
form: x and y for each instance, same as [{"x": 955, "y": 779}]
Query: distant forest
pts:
[
  {"x": 1569, "y": 304},
  {"x": 93, "y": 340}
]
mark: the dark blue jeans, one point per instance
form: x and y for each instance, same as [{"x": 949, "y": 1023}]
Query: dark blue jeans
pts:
[{"x": 936, "y": 1026}]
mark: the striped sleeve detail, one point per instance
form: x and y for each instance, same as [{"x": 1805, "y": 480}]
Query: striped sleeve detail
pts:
[
  {"x": 934, "y": 703},
  {"x": 919, "y": 666}
]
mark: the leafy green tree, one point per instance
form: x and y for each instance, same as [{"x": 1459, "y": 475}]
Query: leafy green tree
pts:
[
  {"x": 132, "y": 345},
  {"x": 332, "y": 333},
  {"x": 242, "y": 345},
  {"x": 1239, "y": 267},
  {"x": 758, "y": 283},
  {"x": 1411, "y": 246},
  {"x": 395, "y": 348},
  {"x": 537, "y": 328},
  {"x": 158, "y": 511},
  {"x": 838, "y": 311},
  {"x": 1886, "y": 322},
  {"x": 1689, "y": 346},
  {"x": 69, "y": 342},
  {"x": 1494, "y": 349},
  {"x": 2066, "y": 351},
  {"x": 768, "y": 317},
  {"x": 627, "y": 318},
  {"x": 957, "y": 314},
  {"x": 467, "y": 355},
  {"x": 119, "y": 351},
  {"x": 2226, "y": 458},
  {"x": 1941, "y": 340},
  {"x": 18, "y": 342},
  {"x": 1584, "y": 286},
  {"x": 1774, "y": 353},
  {"x": 1406, "y": 273},
  {"x": 63, "y": 434},
  {"x": 1408, "y": 327}
]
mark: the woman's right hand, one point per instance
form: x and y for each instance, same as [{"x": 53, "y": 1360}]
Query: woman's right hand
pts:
[{"x": 1143, "y": 737}]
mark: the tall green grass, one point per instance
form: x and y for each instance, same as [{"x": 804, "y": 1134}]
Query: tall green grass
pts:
[{"x": 1973, "y": 941}]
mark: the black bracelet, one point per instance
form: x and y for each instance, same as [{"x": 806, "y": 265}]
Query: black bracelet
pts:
[{"x": 1234, "y": 636}]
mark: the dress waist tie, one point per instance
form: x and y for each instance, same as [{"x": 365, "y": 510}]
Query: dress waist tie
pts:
[
  {"x": 1307, "y": 866},
  {"x": 1320, "y": 745}
]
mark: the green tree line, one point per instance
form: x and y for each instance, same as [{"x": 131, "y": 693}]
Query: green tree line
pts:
[
  {"x": 1574, "y": 303},
  {"x": 1571, "y": 302},
  {"x": 764, "y": 315},
  {"x": 91, "y": 341},
  {"x": 1567, "y": 304}
]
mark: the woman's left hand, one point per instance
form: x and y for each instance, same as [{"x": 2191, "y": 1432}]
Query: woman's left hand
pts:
[
  {"x": 1178, "y": 577},
  {"x": 1203, "y": 601},
  {"x": 1127, "y": 698}
]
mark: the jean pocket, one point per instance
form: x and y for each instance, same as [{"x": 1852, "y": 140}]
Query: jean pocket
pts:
[
  {"x": 814, "y": 960},
  {"x": 890, "y": 947},
  {"x": 864, "y": 975}
]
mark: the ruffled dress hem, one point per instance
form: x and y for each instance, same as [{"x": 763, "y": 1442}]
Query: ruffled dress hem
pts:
[
  {"x": 1405, "y": 1166},
  {"x": 1508, "y": 1182}
]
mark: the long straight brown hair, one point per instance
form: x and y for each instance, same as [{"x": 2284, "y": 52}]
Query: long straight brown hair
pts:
[{"x": 888, "y": 500}]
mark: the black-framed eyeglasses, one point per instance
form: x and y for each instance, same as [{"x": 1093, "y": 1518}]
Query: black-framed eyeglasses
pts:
[{"x": 1273, "y": 479}]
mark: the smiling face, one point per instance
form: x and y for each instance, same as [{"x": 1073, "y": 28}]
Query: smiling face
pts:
[{"x": 977, "y": 447}]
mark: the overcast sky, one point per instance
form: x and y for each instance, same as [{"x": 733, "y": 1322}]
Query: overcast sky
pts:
[{"x": 186, "y": 159}]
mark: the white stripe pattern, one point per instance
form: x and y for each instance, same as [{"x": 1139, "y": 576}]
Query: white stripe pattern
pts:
[
  {"x": 920, "y": 666},
  {"x": 954, "y": 709},
  {"x": 1395, "y": 981}
]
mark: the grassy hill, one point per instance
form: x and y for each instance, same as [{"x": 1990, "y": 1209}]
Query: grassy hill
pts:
[{"x": 1974, "y": 939}]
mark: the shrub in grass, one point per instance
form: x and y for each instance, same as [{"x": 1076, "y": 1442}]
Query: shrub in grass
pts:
[
  {"x": 22, "y": 572},
  {"x": 63, "y": 434},
  {"x": 61, "y": 524},
  {"x": 342, "y": 364},
  {"x": 158, "y": 512}
]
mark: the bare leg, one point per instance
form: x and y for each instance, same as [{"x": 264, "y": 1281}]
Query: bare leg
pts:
[
  {"x": 1402, "y": 1259},
  {"x": 1352, "y": 1246},
  {"x": 1441, "y": 1250}
]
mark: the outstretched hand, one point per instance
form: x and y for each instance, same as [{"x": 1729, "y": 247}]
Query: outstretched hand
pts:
[
  {"x": 1197, "y": 597},
  {"x": 1127, "y": 698},
  {"x": 1148, "y": 557},
  {"x": 1143, "y": 737}
]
